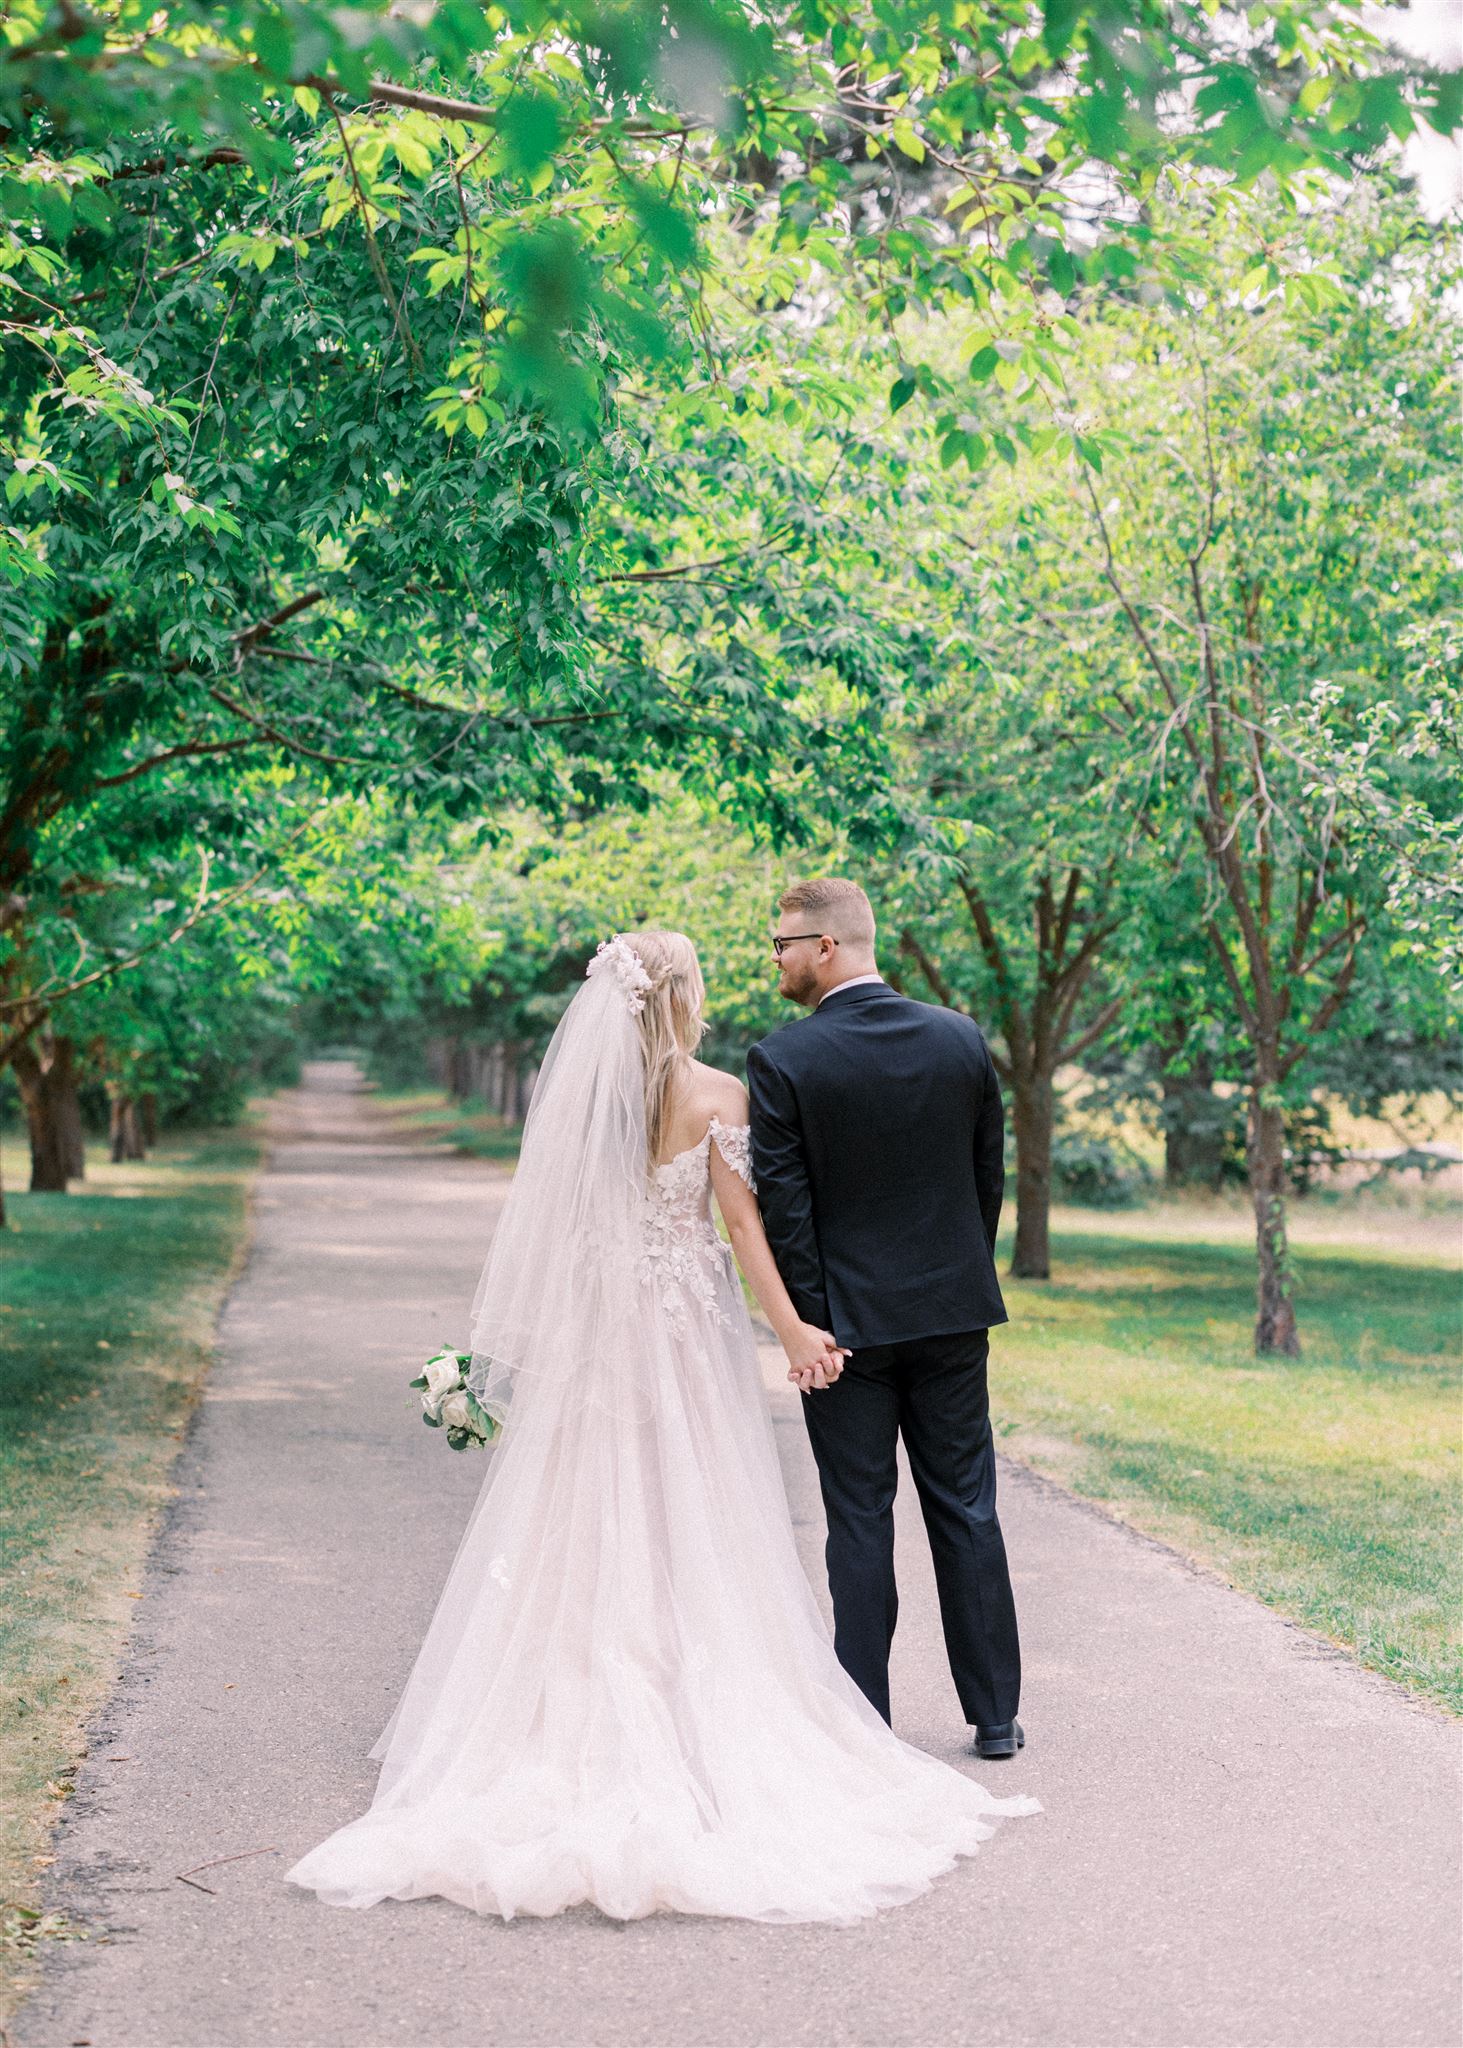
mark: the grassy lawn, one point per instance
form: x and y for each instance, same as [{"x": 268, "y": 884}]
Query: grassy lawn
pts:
[
  {"x": 467, "y": 1127},
  {"x": 108, "y": 1296},
  {"x": 1327, "y": 1485}
]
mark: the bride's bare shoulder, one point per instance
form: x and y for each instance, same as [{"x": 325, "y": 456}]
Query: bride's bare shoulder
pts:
[{"x": 720, "y": 1095}]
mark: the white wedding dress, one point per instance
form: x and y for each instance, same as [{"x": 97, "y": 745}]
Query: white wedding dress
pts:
[{"x": 627, "y": 1696}]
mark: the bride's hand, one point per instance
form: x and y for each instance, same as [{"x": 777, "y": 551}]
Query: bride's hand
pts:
[{"x": 814, "y": 1360}]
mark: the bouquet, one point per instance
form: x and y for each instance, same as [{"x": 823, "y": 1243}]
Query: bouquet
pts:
[{"x": 448, "y": 1403}]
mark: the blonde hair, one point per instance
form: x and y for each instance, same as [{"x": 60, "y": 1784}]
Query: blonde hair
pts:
[
  {"x": 671, "y": 1024},
  {"x": 839, "y": 908}
]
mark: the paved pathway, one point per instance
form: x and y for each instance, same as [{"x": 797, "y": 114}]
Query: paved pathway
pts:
[{"x": 1247, "y": 1841}]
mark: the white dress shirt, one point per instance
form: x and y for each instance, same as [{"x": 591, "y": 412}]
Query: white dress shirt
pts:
[{"x": 854, "y": 981}]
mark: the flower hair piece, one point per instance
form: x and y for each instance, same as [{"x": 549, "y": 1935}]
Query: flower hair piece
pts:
[{"x": 629, "y": 970}]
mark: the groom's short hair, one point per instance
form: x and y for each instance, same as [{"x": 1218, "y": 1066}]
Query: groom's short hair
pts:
[{"x": 835, "y": 906}]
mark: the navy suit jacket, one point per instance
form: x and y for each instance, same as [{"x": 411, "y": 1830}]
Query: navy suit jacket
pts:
[{"x": 877, "y": 1143}]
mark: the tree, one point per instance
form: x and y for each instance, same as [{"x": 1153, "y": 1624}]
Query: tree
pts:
[
  {"x": 307, "y": 389},
  {"x": 870, "y": 127},
  {"x": 341, "y": 592},
  {"x": 1053, "y": 875},
  {"x": 270, "y": 496},
  {"x": 526, "y": 915},
  {"x": 1020, "y": 922},
  {"x": 1270, "y": 520}
]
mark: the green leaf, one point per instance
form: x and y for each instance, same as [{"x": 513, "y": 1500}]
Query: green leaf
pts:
[
  {"x": 528, "y": 130},
  {"x": 274, "y": 46},
  {"x": 1059, "y": 23},
  {"x": 412, "y": 154},
  {"x": 906, "y": 138},
  {"x": 667, "y": 227},
  {"x": 900, "y": 392},
  {"x": 1444, "y": 111}
]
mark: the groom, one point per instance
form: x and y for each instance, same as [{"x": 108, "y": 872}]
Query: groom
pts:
[{"x": 877, "y": 1145}]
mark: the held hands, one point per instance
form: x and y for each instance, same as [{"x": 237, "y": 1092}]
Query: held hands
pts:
[{"x": 814, "y": 1360}]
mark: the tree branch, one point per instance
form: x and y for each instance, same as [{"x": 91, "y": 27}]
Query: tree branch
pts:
[
  {"x": 56, "y": 993},
  {"x": 1307, "y": 903},
  {"x": 262, "y": 627},
  {"x": 23, "y": 1030},
  {"x": 1013, "y": 1024},
  {"x": 283, "y": 739},
  {"x": 1064, "y": 915},
  {"x": 1236, "y": 987},
  {"x": 911, "y": 948},
  {"x": 1340, "y": 990},
  {"x": 1105, "y": 1017},
  {"x": 1350, "y": 931},
  {"x": 158, "y": 166},
  {"x": 1140, "y": 631},
  {"x": 179, "y": 753}
]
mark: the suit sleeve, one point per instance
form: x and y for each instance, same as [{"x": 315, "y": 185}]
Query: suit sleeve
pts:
[
  {"x": 783, "y": 1190},
  {"x": 990, "y": 1151}
]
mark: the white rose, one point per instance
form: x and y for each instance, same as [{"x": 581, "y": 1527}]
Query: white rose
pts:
[
  {"x": 442, "y": 1374},
  {"x": 455, "y": 1412}
]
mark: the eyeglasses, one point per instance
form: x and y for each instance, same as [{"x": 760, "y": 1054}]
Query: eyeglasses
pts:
[{"x": 792, "y": 939}]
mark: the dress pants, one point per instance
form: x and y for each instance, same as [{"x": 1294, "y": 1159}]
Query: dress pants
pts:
[{"x": 932, "y": 1391}]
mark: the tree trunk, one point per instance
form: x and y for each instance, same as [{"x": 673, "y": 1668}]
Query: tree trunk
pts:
[
  {"x": 68, "y": 1108},
  {"x": 147, "y": 1116},
  {"x": 528, "y": 1081},
  {"x": 507, "y": 1102},
  {"x": 126, "y": 1131},
  {"x": 1193, "y": 1127},
  {"x": 47, "y": 1143},
  {"x": 1275, "y": 1328},
  {"x": 1033, "y": 1115}
]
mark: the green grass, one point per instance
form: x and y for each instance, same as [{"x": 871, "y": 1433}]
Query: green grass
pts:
[
  {"x": 466, "y": 1126},
  {"x": 108, "y": 1297},
  {"x": 1328, "y": 1485}
]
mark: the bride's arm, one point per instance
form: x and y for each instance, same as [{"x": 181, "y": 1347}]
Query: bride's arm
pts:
[{"x": 813, "y": 1358}]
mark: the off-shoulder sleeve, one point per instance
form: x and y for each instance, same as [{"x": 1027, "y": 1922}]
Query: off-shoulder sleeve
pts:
[{"x": 734, "y": 1143}]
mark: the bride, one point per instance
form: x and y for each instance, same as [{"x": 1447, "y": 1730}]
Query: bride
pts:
[{"x": 627, "y": 1696}]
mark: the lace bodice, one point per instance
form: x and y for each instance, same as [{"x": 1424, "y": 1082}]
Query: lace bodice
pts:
[
  {"x": 684, "y": 1183},
  {"x": 682, "y": 1255}
]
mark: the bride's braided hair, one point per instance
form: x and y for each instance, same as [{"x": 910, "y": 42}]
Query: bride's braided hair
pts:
[{"x": 671, "y": 1024}]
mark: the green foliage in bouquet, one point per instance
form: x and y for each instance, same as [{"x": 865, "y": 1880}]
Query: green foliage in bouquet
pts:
[{"x": 448, "y": 1403}]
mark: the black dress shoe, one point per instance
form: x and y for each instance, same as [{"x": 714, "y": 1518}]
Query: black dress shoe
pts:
[{"x": 1002, "y": 1740}]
